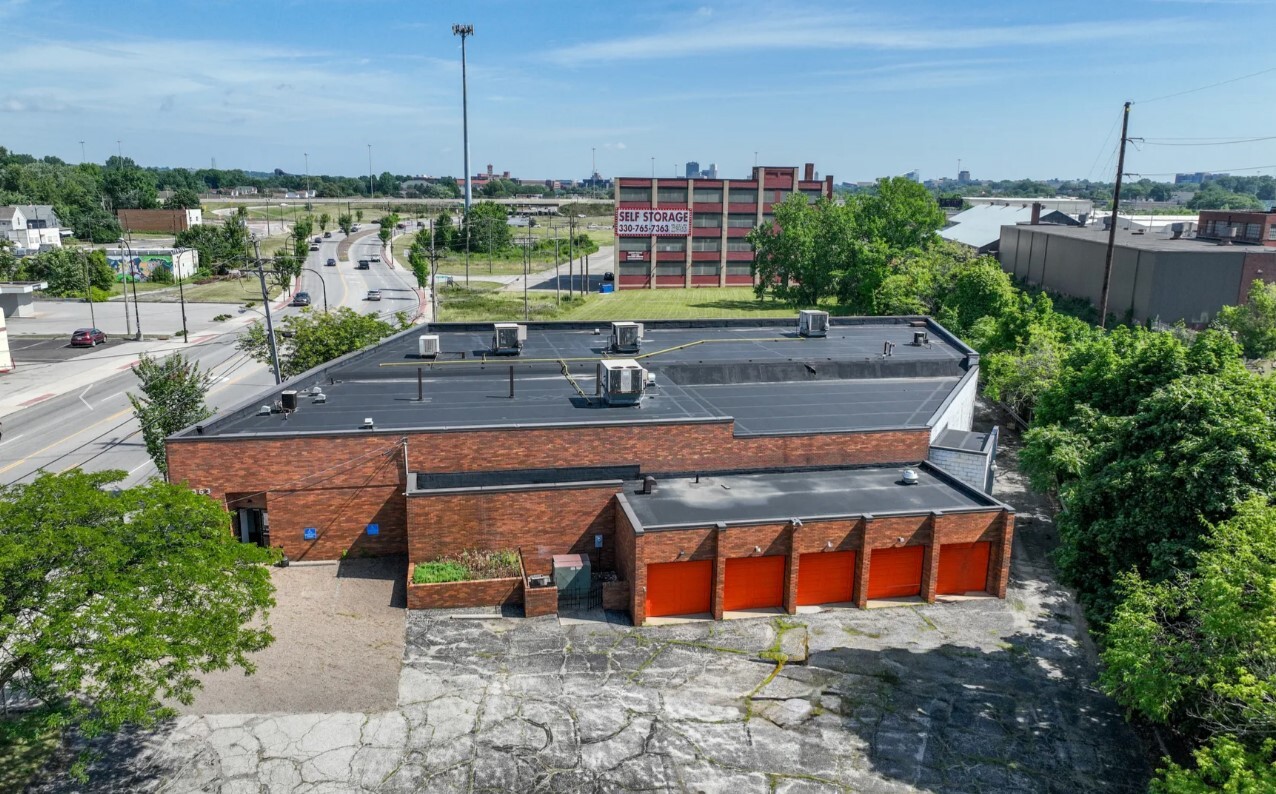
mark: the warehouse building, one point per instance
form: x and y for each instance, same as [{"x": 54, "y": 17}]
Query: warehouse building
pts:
[
  {"x": 692, "y": 232},
  {"x": 1162, "y": 276},
  {"x": 688, "y": 467}
]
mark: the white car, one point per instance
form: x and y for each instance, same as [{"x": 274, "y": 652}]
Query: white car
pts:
[{"x": 373, "y": 295}]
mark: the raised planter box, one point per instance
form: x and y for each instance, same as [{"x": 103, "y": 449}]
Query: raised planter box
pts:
[{"x": 476, "y": 593}]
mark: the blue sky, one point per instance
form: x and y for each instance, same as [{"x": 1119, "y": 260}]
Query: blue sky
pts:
[{"x": 862, "y": 89}]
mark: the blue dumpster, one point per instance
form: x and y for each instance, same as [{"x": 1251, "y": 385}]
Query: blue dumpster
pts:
[{"x": 606, "y": 287}]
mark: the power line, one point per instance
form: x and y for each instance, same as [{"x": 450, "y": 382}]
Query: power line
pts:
[
  {"x": 1207, "y": 87},
  {"x": 1165, "y": 141},
  {"x": 1209, "y": 170}
]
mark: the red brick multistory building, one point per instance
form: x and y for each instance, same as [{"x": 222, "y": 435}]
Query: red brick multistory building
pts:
[
  {"x": 691, "y": 232},
  {"x": 1254, "y": 228},
  {"x": 696, "y": 467}
]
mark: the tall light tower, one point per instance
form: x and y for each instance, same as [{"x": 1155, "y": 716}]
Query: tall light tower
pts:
[
  {"x": 369, "y": 170},
  {"x": 465, "y": 31}
]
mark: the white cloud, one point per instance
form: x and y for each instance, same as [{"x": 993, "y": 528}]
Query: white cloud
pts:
[{"x": 753, "y": 33}]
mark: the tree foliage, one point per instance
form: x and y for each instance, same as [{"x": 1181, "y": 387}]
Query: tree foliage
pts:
[
  {"x": 221, "y": 248},
  {"x": 345, "y": 223},
  {"x": 308, "y": 339},
  {"x": 112, "y": 604},
  {"x": 1253, "y": 323},
  {"x": 1197, "y": 652},
  {"x": 173, "y": 390},
  {"x": 485, "y": 226},
  {"x": 182, "y": 199}
]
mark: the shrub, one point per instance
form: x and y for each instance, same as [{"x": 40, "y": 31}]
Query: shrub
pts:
[
  {"x": 221, "y": 318},
  {"x": 469, "y": 565}
]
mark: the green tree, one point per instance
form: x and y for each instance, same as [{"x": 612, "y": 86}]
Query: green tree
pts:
[
  {"x": 976, "y": 289},
  {"x": 384, "y": 233},
  {"x": 1197, "y": 652},
  {"x": 101, "y": 275},
  {"x": 345, "y": 223},
  {"x": 324, "y": 220},
  {"x": 1156, "y": 480},
  {"x": 112, "y": 604},
  {"x": 182, "y": 199},
  {"x": 444, "y": 232},
  {"x": 126, "y": 186},
  {"x": 358, "y": 216},
  {"x": 902, "y": 214},
  {"x": 1254, "y": 323},
  {"x": 173, "y": 390},
  {"x": 309, "y": 339},
  {"x": 487, "y": 223}
]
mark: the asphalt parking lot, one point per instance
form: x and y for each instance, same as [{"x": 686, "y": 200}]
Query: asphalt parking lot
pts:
[
  {"x": 980, "y": 695},
  {"x": 28, "y": 350}
]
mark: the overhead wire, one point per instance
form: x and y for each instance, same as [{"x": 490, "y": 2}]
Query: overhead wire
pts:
[{"x": 1206, "y": 87}]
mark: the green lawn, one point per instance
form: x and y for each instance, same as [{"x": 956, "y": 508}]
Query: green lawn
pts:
[
  {"x": 228, "y": 290},
  {"x": 143, "y": 287},
  {"x": 460, "y": 305}
]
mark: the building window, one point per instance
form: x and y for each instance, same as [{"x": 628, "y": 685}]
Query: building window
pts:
[
  {"x": 739, "y": 268},
  {"x": 672, "y": 195},
  {"x": 737, "y": 220},
  {"x": 641, "y": 195},
  {"x": 813, "y": 196},
  {"x": 633, "y": 268},
  {"x": 768, "y": 219},
  {"x": 669, "y": 268},
  {"x": 737, "y": 244},
  {"x": 671, "y": 244},
  {"x": 704, "y": 268},
  {"x": 743, "y": 197},
  {"x": 709, "y": 195},
  {"x": 706, "y": 244},
  {"x": 1253, "y": 231},
  {"x": 707, "y": 220},
  {"x": 1271, "y": 233},
  {"x": 635, "y": 243}
]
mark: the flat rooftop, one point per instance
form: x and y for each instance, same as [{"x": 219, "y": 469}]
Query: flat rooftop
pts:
[
  {"x": 1151, "y": 240},
  {"x": 762, "y": 375},
  {"x": 750, "y": 498}
]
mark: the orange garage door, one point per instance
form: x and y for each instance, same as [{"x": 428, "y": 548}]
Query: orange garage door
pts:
[
  {"x": 753, "y": 583},
  {"x": 963, "y": 567},
  {"x": 826, "y": 577},
  {"x": 894, "y": 573},
  {"x": 679, "y": 588}
]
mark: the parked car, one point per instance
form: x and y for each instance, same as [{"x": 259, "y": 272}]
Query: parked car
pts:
[
  {"x": 374, "y": 258},
  {"x": 609, "y": 276},
  {"x": 301, "y": 299},
  {"x": 87, "y": 337},
  {"x": 326, "y": 235},
  {"x": 331, "y": 262},
  {"x": 373, "y": 295}
]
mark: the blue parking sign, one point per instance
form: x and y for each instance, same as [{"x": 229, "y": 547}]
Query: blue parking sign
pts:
[
  {"x": 374, "y": 529},
  {"x": 310, "y": 533}
]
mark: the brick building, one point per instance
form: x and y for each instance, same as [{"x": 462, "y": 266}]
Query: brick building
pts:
[
  {"x": 703, "y": 466},
  {"x": 1254, "y": 228},
  {"x": 691, "y": 232}
]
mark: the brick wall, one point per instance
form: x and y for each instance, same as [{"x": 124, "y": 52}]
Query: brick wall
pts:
[
  {"x": 540, "y": 601},
  {"x": 478, "y": 593},
  {"x": 616, "y": 595},
  {"x": 1260, "y": 266},
  {"x": 311, "y": 481},
  {"x": 860, "y": 535},
  {"x": 555, "y": 520}
]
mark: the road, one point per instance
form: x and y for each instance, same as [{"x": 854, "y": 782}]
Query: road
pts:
[{"x": 94, "y": 427}]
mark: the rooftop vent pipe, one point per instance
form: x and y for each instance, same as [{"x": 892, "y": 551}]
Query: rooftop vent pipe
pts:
[
  {"x": 648, "y": 484},
  {"x": 910, "y": 477},
  {"x": 367, "y": 423}
]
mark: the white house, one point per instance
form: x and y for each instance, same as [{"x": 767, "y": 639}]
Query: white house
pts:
[{"x": 31, "y": 226}]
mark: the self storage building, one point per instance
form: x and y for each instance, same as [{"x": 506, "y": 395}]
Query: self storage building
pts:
[{"x": 697, "y": 466}]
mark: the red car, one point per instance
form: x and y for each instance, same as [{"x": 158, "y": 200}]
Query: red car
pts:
[{"x": 87, "y": 337}]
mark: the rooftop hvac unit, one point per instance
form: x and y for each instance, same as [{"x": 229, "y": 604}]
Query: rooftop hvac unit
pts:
[
  {"x": 623, "y": 381},
  {"x": 289, "y": 399},
  {"x": 910, "y": 477},
  {"x": 427, "y": 346},
  {"x": 921, "y": 338},
  {"x": 508, "y": 338},
  {"x": 812, "y": 322},
  {"x": 626, "y": 337}
]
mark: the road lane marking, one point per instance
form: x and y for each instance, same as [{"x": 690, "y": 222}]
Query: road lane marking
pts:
[
  {"x": 35, "y": 400},
  {"x": 64, "y": 439}
]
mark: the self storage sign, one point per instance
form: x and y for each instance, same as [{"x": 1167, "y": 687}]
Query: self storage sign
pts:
[{"x": 635, "y": 222}]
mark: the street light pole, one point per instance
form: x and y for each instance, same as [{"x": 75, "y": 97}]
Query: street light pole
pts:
[
  {"x": 323, "y": 284},
  {"x": 88, "y": 294},
  {"x": 83, "y": 157},
  {"x": 128, "y": 276},
  {"x": 181, "y": 292},
  {"x": 465, "y": 31},
  {"x": 265, "y": 305},
  {"x": 369, "y": 170},
  {"x": 307, "y": 156}
]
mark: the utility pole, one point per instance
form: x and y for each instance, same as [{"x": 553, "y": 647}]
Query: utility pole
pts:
[
  {"x": 307, "y": 156},
  {"x": 369, "y": 170},
  {"x": 556, "y": 298},
  {"x": 434, "y": 256},
  {"x": 265, "y": 305},
  {"x": 1112, "y": 225},
  {"x": 527, "y": 268},
  {"x": 181, "y": 291},
  {"x": 88, "y": 294},
  {"x": 465, "y": 31},
  {"x": 119, "y": 149},
  {"x": 571, "y": 254}
]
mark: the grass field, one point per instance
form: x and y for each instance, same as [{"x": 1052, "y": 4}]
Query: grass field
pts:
[
  {"x": 461, "y": 305},
  {"x": 20, "y": 760},
  {"x": 228, "y": 291}
]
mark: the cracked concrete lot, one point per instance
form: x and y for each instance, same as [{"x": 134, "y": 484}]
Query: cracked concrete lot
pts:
[{"x": 975, "y": 696}]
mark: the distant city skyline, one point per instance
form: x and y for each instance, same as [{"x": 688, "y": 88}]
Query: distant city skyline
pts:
[{"x": 1010, "y": 91}]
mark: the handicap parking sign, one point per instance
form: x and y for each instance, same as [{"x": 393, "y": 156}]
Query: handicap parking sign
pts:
[
  {"x": 374, "y": 529},
  {"x": 310, "y": 533}
]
